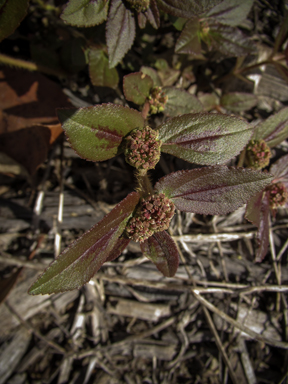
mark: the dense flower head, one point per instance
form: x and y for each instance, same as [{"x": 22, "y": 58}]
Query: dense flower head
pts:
[
  {"x": 278, "y": 195},
  {"x": 157, "y": 100},
  {"x": 142, "y": 149},
  {"x": 139, "y": 5},
  {"x": 153, "y": 215},
  {"x": 258, "y": 154}
]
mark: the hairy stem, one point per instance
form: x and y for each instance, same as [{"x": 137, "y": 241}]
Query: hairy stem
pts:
[
  {"x": 18, "y": 63},
  {"x": 144, "y": 184}
]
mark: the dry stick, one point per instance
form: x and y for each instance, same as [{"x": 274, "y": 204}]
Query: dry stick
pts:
[
  {"x": 275, "y": 266},
  {"x": 57, "y": 241},
  {"x": 212, "y": 237},
  {"x": 243, "y": 328},
  {"x": 220, "y": 345},
  {"x": 34, "y": 331},
  {"x": 220, "y": 250},
  {"x": 212, "y": 326},
  {"x": 21, "y": 263}
]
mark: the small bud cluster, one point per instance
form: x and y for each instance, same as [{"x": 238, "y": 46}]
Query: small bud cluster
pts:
[
  {"x": 153, "y": 215},
  {"x": 258, "y": 154},
  {"x": 143, "y": 148},
  {"x": 139, "y": 5},
  {"x": 278, "y": 195},
  {"x": 157, "y": 100}
]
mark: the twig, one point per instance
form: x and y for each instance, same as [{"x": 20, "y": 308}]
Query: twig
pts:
[
  {"x": 34, "y": 331},
  {"x": 243, "y": 328}
]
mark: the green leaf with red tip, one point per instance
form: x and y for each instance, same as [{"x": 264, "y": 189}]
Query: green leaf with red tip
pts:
[
  {"x": 162, "y": 251},
  {"x": 212, "y": 190},
  {"x": 274, "y": 129},
  {"x": 204, "y": 138},
  {"x": 78, "y": 263},
  {"x": 12, "y": 12},
  {"x": 85, "y": 13},
  {"x": 95, "y": 133},
  {"x": 120, "y": 32},
  {"x": 100, "y": 73},
  {"x": 136, "y": 87},
  {"x": 238, "y": 102},
  {"x": 186, "y": 8},
  {"x": 230, "y": 12},
  {"x": 180, "y": 102}
]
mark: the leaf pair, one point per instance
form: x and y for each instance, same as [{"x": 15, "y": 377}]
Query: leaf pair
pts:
[
  {"x": 96, "y": 133},
  {"x": 211, "y": 190}
]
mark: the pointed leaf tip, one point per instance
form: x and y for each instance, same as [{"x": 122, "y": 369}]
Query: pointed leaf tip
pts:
[{"x": 78, "y": 263}]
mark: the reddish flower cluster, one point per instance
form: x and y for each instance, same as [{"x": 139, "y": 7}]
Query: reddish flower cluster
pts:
[
  {"x": 139, "y": 5},
  {"x": 153, "y": 215},
  {"x": 143, "y": 148},
  {"x": 278, "y": 195},
  {"x": 157, "y": 100},
  {"x": 258, "y": 154}
]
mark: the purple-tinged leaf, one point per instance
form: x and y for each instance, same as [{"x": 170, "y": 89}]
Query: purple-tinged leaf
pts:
[
  {"x": 78, "y": 263},
  {"x": 263, "y": 230},
  {"x": 85, "y": 13},
  {"x": 12, "y": 12},
  {"x": 274, "y": 129},
  {"x": 153, "y": 74},
  {"x": 95, "y": 133},
  {"x": 282, "y": 70},
  {"x": 151, "y": 15},
  {"x": 136, "y": 87},
  {"x": 119, "y": 247},
  {"x": 189, "y": 41},
  {"x": 180, "y": 102},
  {"x": 253, "y": 209},
  {"x": 120, "y": 32},
  {"x": 186, "y": 8},
  {"x": 212, "y": 190},
  {"x": 204, "y": 138},
  {"x": 238, "y": 102},
  {"x": 100, "y": 73},
  {"x": 162, "y": 251},
  {"x": 230, "y": 41},
  {"x": 280, "y": 169},
  {"x": 230, "y": 12}
]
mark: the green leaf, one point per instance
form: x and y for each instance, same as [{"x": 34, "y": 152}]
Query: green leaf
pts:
[
  {"x": 136, "y": 87},
  {"x": 180, "y": 102},
  {"x": 100, "y": 73},
  {"x": 120, "y": 32},
  {"x": 204, "y": 138},
  {"x": 230, "y": 41},
  {"x": 189, "y": 41},
  {"x": 186, "y": 8},
  {"x": 162, "y": 251},
  {"x": 153, "y": 74},
  {"x": 78, "y": 263},
  {"x": 274, "y": 129},
  {"x": 238, "y": 101},
  {"x": 212, "y": 190},
  {"x": 12, "y": 12},
  {"x": 230, "y": 12},
  {"x": 85, "y": 13},
  {"x": 95, "y": 133}
]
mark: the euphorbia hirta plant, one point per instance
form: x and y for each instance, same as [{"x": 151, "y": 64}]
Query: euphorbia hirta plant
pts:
[{"x": 100, "y": 132}]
